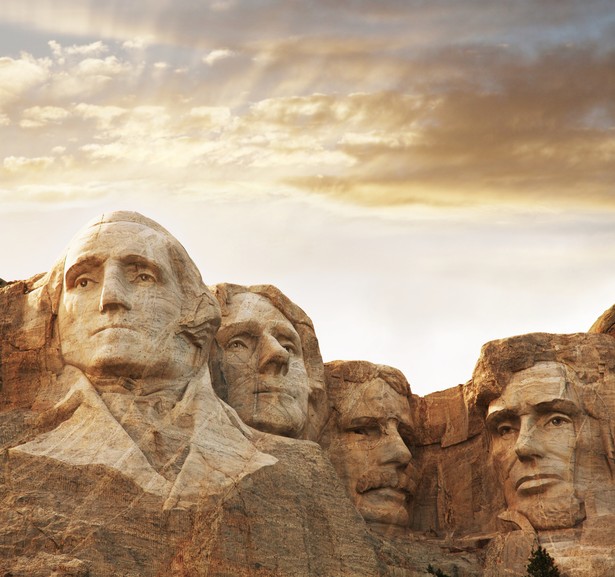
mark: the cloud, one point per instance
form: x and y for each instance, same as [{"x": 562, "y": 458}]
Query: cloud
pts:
[
  {"x": 17, "y": 76},
  {"x": 24, "y": 164},
  {"x": 103, "y": 115},
  {"x": 215, "y": 116},
  {"x": 217, "y": 55},
  {"x": 358, "y": 110},
  {"x": 38, "y": 116}
]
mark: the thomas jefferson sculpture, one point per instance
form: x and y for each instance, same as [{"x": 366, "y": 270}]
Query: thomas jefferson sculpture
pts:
[{"x": 267, "y": 363}]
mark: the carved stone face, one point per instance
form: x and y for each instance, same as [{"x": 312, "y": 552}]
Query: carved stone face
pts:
[
  {"x": 263, "y": 366},
  {"x": 534, "y": 428},
  {"x": 369, "y": 453},
  {"x": 121, "y": 304}
]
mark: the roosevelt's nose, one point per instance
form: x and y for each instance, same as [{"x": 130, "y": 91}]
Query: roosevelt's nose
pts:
[
  {"x": 273, "y": 357},
  {"x": 528, "y": 445},
  {"x": 114, "y": 292},
  {"x": 393, "y": 449}
]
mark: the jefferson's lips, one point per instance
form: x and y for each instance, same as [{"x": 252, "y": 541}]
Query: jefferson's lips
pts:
[{"x": 536, "y": 481}]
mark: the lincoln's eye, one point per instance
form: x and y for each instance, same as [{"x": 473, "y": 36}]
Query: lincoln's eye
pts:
[{"x": 505, "y": 430}]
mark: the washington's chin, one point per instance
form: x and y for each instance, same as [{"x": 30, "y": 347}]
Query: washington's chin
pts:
[{"x": 128, "y": 365}]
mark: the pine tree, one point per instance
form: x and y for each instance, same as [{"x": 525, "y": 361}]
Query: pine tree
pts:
[
  {"x": 436, "y": 572},
  {"x": 541, "y": 564}
]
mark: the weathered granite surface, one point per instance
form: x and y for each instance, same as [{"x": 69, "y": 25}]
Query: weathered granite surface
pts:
[{"x": 152, "y": 426}]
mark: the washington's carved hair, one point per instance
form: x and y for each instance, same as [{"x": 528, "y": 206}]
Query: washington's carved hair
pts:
[{"x": 200, "y": 313}]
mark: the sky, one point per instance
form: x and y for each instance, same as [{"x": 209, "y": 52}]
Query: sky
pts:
[{"x": 420, "y": 177}]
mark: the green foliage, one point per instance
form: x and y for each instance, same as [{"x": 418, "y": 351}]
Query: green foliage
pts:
[
  {"x": 541, "y": 564},
  {"x": 436, "y": 572}
]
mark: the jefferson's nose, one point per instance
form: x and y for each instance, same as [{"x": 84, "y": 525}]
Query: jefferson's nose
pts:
[
  {"x": 114, "y": 292},
  {"x": 273, "y": 357},
  {"x": 393, "y": 449},
  {"x": 528, "y": 446}
]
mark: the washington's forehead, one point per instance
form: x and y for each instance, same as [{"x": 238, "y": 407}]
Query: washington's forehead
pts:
[
  {"x": 253, "y": 307},
  {"x": 116, "y": 239}
]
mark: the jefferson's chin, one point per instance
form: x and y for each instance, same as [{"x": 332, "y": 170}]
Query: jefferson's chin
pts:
[
  {"x": 387, "y": 506},
  {"x": 277, "y": 413}
]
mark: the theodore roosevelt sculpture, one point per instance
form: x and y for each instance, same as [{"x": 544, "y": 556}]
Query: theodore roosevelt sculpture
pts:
[
  {"x": 367, "y": 439},
  {"x": 266, "y": 363}
]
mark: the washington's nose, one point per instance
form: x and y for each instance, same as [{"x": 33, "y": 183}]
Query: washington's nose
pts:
[
  {"x": 114, "y": 293},
  {"x": 528, "y": 445},
  {"x": 394, "y": 450},
  {"x": 273, "y": 357}
]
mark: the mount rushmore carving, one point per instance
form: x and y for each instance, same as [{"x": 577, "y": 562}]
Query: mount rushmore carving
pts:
[{"x": 151, "y": 425}]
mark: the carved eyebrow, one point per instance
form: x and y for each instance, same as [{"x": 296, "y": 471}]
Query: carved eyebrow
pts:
[
  {"x": 81, "y": 265},
  {"x": 500, "y": 415},
  {"x": 560, "y": 406},
  {"x": 361, "y": 422},
  {"x": 285, "y": 331},
  {"x": 248, "y": 327},
  {"x": 139, "y": 260}
]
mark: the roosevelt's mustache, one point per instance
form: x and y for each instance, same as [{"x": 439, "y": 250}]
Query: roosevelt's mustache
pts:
[{"x": 383, "y": 479}]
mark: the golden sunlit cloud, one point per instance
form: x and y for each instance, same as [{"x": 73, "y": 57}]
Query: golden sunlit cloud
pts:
[{"x": 370, "y": 115}]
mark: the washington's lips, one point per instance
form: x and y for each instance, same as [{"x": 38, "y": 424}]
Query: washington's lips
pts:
[
  {"x": 536, "y": 482},
  {"x": 113, "y": 326}
]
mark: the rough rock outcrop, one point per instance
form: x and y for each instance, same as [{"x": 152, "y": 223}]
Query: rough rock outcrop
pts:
[{"x": 119, "y": 455}]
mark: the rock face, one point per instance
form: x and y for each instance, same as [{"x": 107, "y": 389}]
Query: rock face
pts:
[
  {"x": 150, "y": 426},
  {"x": 549, "y": 402},
  {"x": 266, "y": 362}
]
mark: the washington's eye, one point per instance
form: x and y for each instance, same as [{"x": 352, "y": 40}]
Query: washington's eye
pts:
[
  {"x": 83, "y": 282},
  {"x": 236, "y": 344},
  {"x": 146, "y": 278}
]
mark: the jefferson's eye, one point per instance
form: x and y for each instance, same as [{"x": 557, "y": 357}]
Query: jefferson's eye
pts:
[{"x": 83, "y": 282}]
